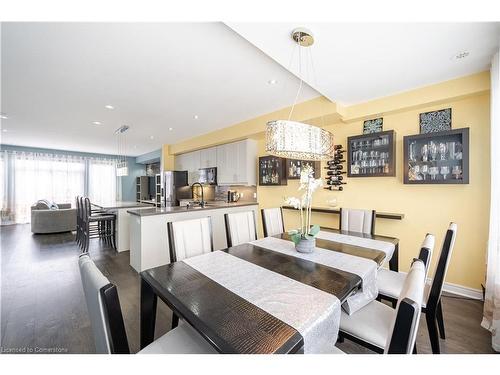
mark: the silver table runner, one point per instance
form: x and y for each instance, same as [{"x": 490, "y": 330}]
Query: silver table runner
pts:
[
  {"x": 364, "y": 268},
  {"x": 312, "y": 312}
]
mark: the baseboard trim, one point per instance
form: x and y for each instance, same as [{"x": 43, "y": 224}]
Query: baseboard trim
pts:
[{"x": 463, "y": 291}]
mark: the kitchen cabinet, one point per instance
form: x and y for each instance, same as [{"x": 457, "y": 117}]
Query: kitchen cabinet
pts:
[
  {"x": 236, "y": 163},
  {"x": 208, "y": 157}
]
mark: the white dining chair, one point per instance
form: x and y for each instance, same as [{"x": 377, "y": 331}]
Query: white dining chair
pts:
[
  {"x": 240, "y": 228},
  {"x": 390, "y": 283},
  {"x": 390, "y": 289},
  {"x": 354, "y": 220},
  {"x": 382, "y": 329},
  {"x": 107, "y": 323},
  {"x": 272, "y": 221},
  {"x": 189, "y": 238}
]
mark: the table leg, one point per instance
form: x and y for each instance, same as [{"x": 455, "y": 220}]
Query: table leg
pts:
[
  {"x": 148, "y": 313},
  {"x": 394, "y": 262}
]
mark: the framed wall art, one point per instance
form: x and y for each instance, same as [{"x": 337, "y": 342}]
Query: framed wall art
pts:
[
  {"x": 435, "y": 121},
  {"x": 373, "y": 126}
]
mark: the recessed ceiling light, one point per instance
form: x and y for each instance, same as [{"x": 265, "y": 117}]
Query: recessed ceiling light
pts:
[
  {"x": 135, "y": 146},
  {"x": 272, "y": 82},
  {"x": 96, "y": 123},
  {"x": 195, "y": 117},
  {"x": 4, "y": 116},
  {"x": 461, "y": 55},
  {"x": 5, "y": 130},
  {"x": 151, "y": 137},
  {"x": 170, "y": 129},
  {"x": 107, "y": 106}
]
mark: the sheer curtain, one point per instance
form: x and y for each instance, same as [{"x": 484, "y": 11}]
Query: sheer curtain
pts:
[
  {"x": 491, "y": 319},
  {"x": 27, "y": 177},
  {"x": 102, "y": 180}
]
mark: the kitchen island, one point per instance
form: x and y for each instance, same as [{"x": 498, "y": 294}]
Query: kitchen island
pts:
[
  {"x": 148, "y": 229},
  {"x": 119, "y": 208}
]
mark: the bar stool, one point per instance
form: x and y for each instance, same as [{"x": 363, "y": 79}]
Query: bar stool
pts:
[{"x": 97, "y": 225}]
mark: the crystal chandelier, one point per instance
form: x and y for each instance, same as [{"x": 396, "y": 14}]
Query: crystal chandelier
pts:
[
  {"x": 121, "y": 164},
  {"x": 297, "y": 140}
]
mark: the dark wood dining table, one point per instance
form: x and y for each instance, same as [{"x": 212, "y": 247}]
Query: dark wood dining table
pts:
[{"x": 227, "y": 321}]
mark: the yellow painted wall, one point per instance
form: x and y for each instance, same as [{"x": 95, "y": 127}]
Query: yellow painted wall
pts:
[{"x": 427, "y": 208}]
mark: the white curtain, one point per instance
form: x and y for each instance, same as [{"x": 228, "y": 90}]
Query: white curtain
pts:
[
  {"x": 491, "y": 319},
  {"x": 27, "y": 177},
  {"x": 102, "y": 180}
]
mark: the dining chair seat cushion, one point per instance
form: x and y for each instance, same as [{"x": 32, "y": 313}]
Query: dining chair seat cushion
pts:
[
  {"x": 371, "y": 324},
  {"x": 181, "y": 340},
  {"x": 390, "y": 284}
]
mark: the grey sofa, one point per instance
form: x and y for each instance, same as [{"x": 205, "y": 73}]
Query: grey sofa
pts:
[{"x": 45, "y": 220}]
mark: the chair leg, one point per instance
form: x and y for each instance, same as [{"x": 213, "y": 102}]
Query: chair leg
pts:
[
  {"x": 415, "y": 349},
  {"x": 440, "y": 320},
  {"x": 113, "y": 234},
  {"x": 175, "y": 320},
  {"x": 433, "y": 332},
  {"x": 394, "y": 303}
]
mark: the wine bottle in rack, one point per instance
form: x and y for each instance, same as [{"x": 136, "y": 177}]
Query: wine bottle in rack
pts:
[
  {"x": 337, "y": 147},
  {"x": 329, "y": 182},
  {"x": 334, "y": 173},
  {"x": 334, "y": 188},
  {"x": 335, "y": 161},
  {"x": 335, "y": 178}
]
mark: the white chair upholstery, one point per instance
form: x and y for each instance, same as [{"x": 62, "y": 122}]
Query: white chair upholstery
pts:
[
  {"x": 240, "y": 228},
  {"x": 93, "y": 281},
  {"x": 181, "y": 340},
  {"x": 189, "y": 238},
  {"x": 390, "y": 283},
  {"x": 374, "y": 323},
  {"x": 356, "y": 220},
  {"x": 272, "y": 221}
]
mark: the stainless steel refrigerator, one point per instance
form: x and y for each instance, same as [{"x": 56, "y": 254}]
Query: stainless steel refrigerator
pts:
[{"x": 173, "y": 183}]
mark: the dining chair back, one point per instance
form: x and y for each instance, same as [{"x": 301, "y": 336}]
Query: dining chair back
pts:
[
  {"x": 354, "y": 220},
  {"x": 405, "y": 324},
  {"x": 426, "y": 250},
  {"x": 240, "y": 228},
  {"x": 104, "y": 309},
  {"x": 189, "y": 238},
  {"x": 272, "y": 221},
  {"x": 442, "y": 267}
]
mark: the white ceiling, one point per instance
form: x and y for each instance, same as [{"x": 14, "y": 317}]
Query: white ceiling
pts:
[
  {"x": 356, "y": 62},
  {"x": 57, "y": 78}
]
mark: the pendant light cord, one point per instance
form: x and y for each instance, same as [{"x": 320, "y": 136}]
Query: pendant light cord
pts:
[{"x": 300, "y": 84}]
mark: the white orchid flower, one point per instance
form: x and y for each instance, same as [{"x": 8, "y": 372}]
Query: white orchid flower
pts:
[{"x": 294, "y": 202}]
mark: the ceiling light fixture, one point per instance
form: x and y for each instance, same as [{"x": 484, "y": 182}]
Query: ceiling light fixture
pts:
[
  {"x": 121, "y": 164},
  {"x": 96, "y": 123},
  {"x": 272, "y": 82},
  {"x": 297, "y": 140},
  {"x": 170, "y": 129},
  {"x": 5, "y": 130},
  {"x": 107, "y": 106},
  {"x": 151, "y": 137},
  {"x": 195, "y": 117},
  {"x": 4, "y": 116}
]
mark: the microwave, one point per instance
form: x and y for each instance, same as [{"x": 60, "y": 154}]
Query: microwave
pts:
[{"x": 208, "y": 176}]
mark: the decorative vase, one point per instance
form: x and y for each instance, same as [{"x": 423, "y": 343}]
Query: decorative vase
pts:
[{"x": 305, "y": 245}]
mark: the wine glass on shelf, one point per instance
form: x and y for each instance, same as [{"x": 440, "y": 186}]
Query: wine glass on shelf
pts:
[
  {"x": 424, "y": 170},
  {"x": 445, "y": 171},
  {"x": 425, "y": 152},
  {"x": 433, "y": 171},
  {"x": 433, "y": 150},
  {"x": 442, "y": 150},
  {"x": 456, "y": 171}
]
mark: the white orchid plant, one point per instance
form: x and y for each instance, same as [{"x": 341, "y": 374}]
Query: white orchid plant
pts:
[{"x": 308, "y": 184}]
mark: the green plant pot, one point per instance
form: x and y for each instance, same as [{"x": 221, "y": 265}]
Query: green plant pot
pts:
[{"x": 305, "y": 245}]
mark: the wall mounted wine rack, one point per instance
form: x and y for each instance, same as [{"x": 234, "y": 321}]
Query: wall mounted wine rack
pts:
[{"x": 335, "y": 173}]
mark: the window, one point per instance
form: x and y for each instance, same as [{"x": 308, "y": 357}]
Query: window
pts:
[{"x": 102, "y": 181}]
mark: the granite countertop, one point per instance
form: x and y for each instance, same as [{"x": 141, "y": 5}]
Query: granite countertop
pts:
[
  {"x": 120, "y": 204},
  {"x": 178, "y": 209}
]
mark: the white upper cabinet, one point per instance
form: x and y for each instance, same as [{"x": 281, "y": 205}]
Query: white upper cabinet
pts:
[
  {"x": 236, "y": 163},
  {"x": 208, "y": 157}
]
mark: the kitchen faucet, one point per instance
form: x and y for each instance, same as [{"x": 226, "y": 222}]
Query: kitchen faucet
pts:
[{"x": 202, "y": 202}]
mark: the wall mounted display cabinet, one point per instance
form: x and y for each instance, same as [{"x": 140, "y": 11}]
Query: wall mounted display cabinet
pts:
[
  {"x": 272, "y": 171},
  {"x": 294, "y": 167},
  {"x": 372, "y": 155},
  {"x": 437, "y": 158}
]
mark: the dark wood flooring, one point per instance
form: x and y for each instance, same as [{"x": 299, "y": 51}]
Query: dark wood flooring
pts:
[{"x": 43, "y": 307}]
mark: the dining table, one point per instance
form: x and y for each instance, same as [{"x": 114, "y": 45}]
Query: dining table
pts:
[{"x": 264, "y": 296}]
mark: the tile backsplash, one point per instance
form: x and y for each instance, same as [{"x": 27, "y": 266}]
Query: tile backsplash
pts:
[{"x": 249, "y": 192}]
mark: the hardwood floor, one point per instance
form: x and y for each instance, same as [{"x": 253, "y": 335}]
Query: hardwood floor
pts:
[{"x": 43, "y": 307}]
